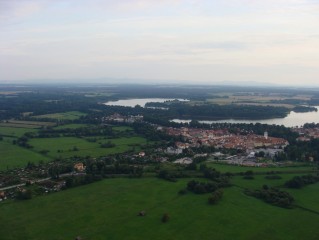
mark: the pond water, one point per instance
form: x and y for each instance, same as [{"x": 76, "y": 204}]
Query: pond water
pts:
[
  {"x": 293, "y": 119},
  {"x": 140, "y": 101}
]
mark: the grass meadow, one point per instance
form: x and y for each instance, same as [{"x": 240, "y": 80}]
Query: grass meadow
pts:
[
  {"x": 108, "y": 210},
  {"x": 12, "y": 156}
]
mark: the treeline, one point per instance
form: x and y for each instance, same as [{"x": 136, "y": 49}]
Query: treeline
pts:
[
  {"x": 43, "y": 102},
  {"x": 95, "y": 130},
  {"x": 213, "y": 111}
]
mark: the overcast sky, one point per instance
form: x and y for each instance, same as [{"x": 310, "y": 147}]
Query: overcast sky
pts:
[{"x": 269, "y": 41}]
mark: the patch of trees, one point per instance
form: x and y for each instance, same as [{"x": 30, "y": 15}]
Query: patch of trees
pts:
[
  {"x": 303, "y": 151},
  {"x": 74, "y": 181},
  {"x": 22, "y": 142},
  {"x": 56, "y": 169},
  {"x": 302, "y": 109},
  {"x": 100, "y": 167},
  {"x": 76, "y": 132},
  {"x": 222, "y": 179},
  {"x": 272, "y": 196},
  {"x": 248, "y": 175},
  {"x": 23, "y": 194},
  {"x": 301, "y": 181},
  {"x": 109, "y": 144}
]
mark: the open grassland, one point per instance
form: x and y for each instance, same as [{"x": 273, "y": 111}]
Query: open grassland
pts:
[
  {"x": 108, "y": 210},
  {"x": 12, "y": 156},
  {"x": 71, "y": 146},
  {"x": 73, "y": 115},
  {"x": 14, "y": 131}
]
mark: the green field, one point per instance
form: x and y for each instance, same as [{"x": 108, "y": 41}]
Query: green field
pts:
[
  {"x": 73, "y": 115},
  {"x": 12, "y": 156},
  {"x": 64, "y": 146},
  {"x": 14, "y": 131},
  {"x": 108, "y": 210}
]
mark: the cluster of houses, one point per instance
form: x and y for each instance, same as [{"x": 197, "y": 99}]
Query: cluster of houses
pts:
[
  {"x": 306, "y": 134},
  {"x": 122, "y": 119},
  {"x": 221, "y": 138}
]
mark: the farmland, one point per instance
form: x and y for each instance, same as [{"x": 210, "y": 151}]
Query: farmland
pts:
[{"x": 108, "y": 210}]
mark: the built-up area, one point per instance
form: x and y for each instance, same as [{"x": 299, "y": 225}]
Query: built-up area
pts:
[{"x": 249, "y": 145}]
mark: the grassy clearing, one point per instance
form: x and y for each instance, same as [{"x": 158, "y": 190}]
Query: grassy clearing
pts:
[
  {"x": 12, "y": 156},
  {"x": 64, "y": 146},
  {"x": 108, "y": 210},
  {"x": 15, "y": 132},
  {"x": 73, "y": 115}
]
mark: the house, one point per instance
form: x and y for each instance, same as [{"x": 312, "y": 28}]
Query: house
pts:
[
  {"x": 185, "y": 160},
  {"x": 141, "y": 154},
  {"x": 79, "y": 167}
]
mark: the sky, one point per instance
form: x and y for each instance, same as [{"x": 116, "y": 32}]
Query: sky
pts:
[{"x": 153, "y": 41}]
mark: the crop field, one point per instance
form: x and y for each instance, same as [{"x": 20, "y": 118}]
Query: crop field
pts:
[
  {"x": 14, "y": 131},
  {"x": 63, "y": 116},
  {"x": 108, "y": 210},
  {"x": 26, "y": 124},
  {"x": 71, "y": 146},
  {"x": 12, "y": 156}
]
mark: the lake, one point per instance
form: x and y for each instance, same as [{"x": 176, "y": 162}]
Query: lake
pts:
[
  {"x": 293, "y": 119},
  {"x": 140, "y": 101}
]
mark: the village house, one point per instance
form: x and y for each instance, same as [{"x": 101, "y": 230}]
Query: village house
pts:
[{"x": 79, "y": 167}]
